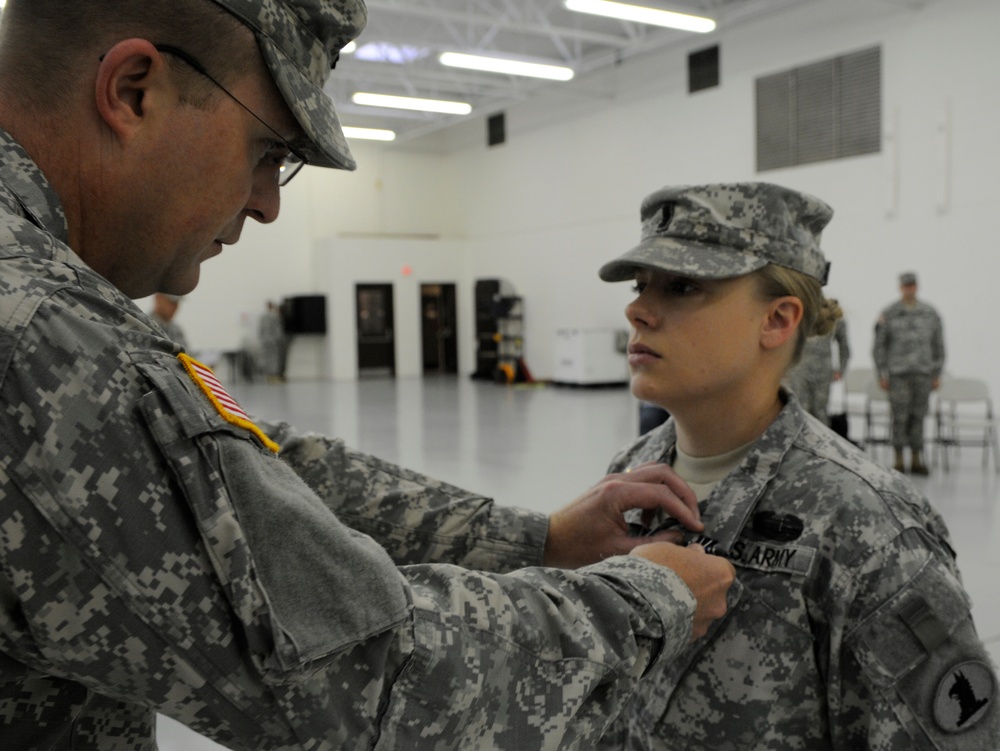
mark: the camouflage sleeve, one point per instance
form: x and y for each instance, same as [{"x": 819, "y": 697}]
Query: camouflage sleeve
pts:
[
  {"x": 529, "y": 659},
  {"x": 880, "y": 348},
  {"x": 521, "y": 683},
  {"x": 910, "y": 671},
  {"x": 243, "y": 637},
  {"x": 416, "y": 518},
  {"x": 937, "y": 347}
]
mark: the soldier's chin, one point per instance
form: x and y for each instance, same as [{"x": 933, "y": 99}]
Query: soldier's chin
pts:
[
  {"x": 640, "y": 389},
  {"x": 184, "y": 285}
]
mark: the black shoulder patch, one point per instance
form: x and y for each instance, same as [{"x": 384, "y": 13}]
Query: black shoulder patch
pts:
[{"x": 963, "y": 696}]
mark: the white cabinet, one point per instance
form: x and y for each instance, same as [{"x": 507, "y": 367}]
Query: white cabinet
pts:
[{"x": 590, "y": 356}]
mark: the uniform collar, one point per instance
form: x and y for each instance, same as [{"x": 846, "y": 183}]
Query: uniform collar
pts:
[
  {"x": 27, "y": 192},
  {"x": 734, "y": 500},
  {"x": 731, "y": 504}
]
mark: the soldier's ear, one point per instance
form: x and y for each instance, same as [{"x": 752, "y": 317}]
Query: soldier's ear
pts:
[
  {"x": 132, "y": 77},
  {"x": 784, "y": 314}
]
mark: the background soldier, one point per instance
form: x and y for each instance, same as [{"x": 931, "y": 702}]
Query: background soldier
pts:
[
  {"x": 273, "y": 343},
  {"x": 909, "y": 358},
  {"x": 810, "y": 379}
]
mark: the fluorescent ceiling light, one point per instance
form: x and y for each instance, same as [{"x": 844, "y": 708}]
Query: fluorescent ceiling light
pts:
[
  {"x": 386, "y": 52},
  {"x": 370, "y": 134},
  {"x": 412, "y": 103},
  {"x": 652, "y": 16},
  {"x": 504, "y": 65}
]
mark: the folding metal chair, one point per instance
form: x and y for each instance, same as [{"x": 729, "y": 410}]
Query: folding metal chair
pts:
[{"x": 963, "y": 416}]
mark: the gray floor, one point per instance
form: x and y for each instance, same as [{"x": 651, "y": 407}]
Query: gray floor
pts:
[{"x": 540, "y": 447}]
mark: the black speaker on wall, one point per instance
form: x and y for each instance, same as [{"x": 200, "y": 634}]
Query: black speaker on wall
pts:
[
  {"x": 496, "y": 129},
  {"x": 703, "y": 69},
  {"x": 304, "y": 314}
]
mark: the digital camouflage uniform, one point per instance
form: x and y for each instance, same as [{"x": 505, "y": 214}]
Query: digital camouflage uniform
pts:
[
  {"x": 909, "y": 351},
  {"x": 848, "y": 626},
  {"x": 156, "y": 554},
  {"x": 811, "y": 377}
]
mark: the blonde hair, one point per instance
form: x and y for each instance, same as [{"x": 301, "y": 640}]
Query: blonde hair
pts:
[{"x": 819, "y": 315}]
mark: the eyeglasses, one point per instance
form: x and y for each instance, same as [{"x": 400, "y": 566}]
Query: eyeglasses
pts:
[{"x": 290, "y": 163}]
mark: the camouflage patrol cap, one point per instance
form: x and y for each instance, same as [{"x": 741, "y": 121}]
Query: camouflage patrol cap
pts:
[
  {"x": 907, "y": 278},
  {"x": 724, "y": 231},
  {"x": 301, "y": 40}
]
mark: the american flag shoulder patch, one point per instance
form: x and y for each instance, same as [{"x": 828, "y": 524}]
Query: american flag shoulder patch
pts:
[{"x": 226, "y": 406}]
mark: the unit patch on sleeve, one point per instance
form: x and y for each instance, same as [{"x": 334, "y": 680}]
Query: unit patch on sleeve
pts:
[
  {"x": 963, "y": 696},
  {"x": 221, "y": 400}
]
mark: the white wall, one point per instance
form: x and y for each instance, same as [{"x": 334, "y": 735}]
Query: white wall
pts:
[{"x": 545, "y": 209}]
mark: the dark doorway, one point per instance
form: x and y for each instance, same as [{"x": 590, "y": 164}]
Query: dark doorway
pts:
[
  {"x": 437, "y": 327},
  {"x": 376, "y": 343}
]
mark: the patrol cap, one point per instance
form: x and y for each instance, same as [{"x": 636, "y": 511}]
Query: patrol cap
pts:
[
  {"x": 301, "y": 41},
  {"x": 723, "y": 231},
  {"x": 907, "y": 278}
]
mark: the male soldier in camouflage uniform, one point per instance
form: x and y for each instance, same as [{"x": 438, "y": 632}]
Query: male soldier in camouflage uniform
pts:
[
  {"x": 155, "y": 553},
  {"x": 849, "y": 628},
  {"x": 810, "y": 379},
  {"x": 909, "y": 358}
]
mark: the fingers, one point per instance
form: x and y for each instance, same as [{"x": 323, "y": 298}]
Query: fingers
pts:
[
  {"x": 707, "y": 576},
  {"x": 593, "y": 526},
  {"x": 673, "y": 536},
  {"x": 656, "y": 487}
]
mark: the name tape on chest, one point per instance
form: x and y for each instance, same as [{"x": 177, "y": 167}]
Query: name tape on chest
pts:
[
  {"x": 224, "y": 404},
  {"x": 790, "y": 559}
]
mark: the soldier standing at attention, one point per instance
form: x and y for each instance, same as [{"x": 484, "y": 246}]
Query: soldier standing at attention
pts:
[
  {"x": 161, "y": 550},
  {"x": 909, "y": 358},
  {"x": 848, "y": 627}
]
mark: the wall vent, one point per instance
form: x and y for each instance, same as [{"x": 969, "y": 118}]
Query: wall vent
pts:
[
  {"x": 826, "y": 110},
  {"x": 703, "y": 69}
]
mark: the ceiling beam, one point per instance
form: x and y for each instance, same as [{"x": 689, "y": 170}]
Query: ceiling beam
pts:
[{"x": 409, "y": 8}]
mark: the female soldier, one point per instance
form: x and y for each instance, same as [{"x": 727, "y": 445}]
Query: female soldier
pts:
[{"x": 848, "y": 626}]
